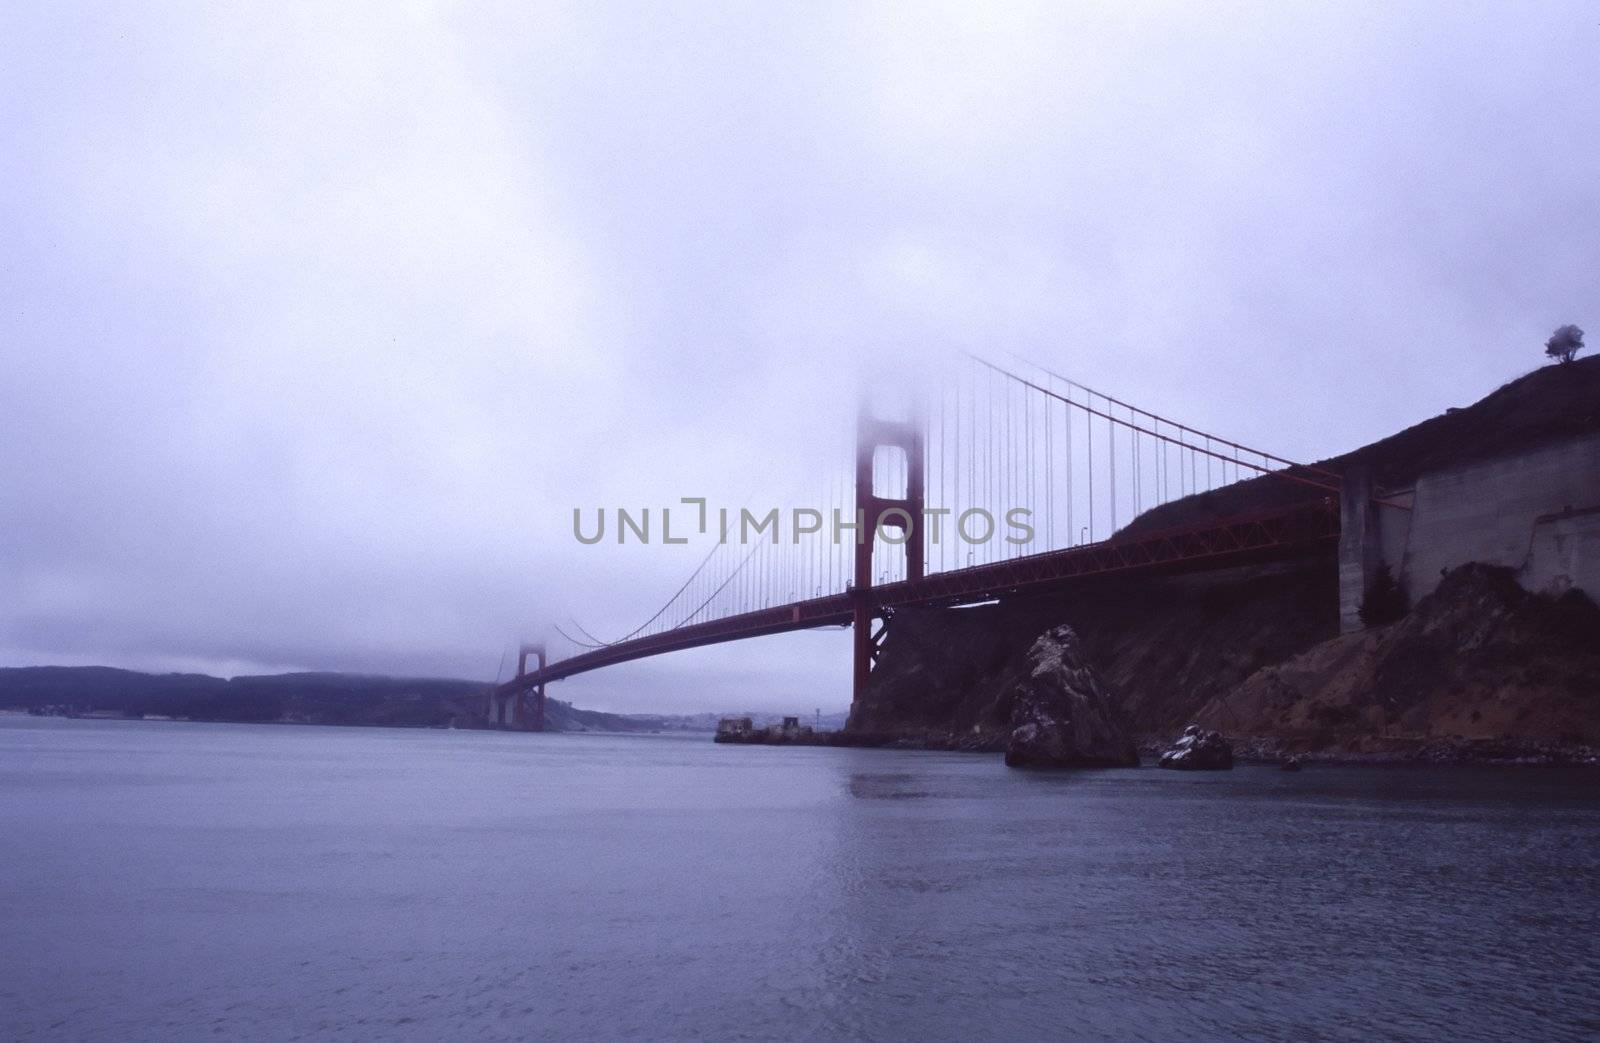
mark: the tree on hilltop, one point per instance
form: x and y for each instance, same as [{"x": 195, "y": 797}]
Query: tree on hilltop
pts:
[{"x": 1564, "y": 343}]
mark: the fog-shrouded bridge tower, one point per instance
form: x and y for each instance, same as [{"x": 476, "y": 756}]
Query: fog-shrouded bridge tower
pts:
[{"x": 880, "y": 514}]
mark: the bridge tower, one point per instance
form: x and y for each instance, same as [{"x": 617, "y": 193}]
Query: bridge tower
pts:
[
  {"x": 537, "y": 724},
  {"x": 872, "y": 512},
  {"x": 508, "y": 704}
]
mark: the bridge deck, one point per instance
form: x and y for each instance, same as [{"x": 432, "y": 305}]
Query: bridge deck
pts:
[{"x": 1205, "y": 545}]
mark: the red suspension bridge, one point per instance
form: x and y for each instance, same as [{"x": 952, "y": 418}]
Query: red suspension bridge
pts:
[{"x": 1010, "y": 478}]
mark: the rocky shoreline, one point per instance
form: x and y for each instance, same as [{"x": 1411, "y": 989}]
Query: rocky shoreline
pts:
[
  {"x": 1250, "y": 751},
  {"x": 1465, "y": 752}
]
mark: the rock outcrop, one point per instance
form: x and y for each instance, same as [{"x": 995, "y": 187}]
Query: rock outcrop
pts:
[
  {"x": 1061, "y": 716},
  {"x": 1198, "y": 750}
]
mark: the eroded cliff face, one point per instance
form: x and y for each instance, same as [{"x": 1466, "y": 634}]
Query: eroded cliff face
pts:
[
  {"x": 1163, "y": 646},
  {"x": 1255, "y": 654}
]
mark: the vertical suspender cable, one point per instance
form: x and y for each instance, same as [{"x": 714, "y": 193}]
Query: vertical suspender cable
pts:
[
  {"x": 1089, "y": 426},
  {"x": 1072, "y": 489},
  {"x": 1111, "y": 451},
  {"x": 1049, "y": 476}
]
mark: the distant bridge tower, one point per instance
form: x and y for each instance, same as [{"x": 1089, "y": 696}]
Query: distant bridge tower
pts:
[
  {"x": 537, "y": 724},
  {"x": 902, "y": 513},
  {"x": 509, "y": 709}
]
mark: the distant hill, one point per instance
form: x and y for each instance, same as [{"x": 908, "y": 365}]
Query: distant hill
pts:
[{"x": 303, "y": 698}]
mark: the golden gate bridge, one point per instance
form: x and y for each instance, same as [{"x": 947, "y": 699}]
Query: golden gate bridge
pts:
[{"x": 892, "y": 526}]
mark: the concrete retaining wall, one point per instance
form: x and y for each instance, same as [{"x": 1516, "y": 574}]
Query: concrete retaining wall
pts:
[
  {"x": 1537, "y": 512},
  {"x": 1566, "y": 553}
]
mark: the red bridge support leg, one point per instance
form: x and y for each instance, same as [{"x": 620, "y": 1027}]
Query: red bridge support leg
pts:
[
  {"x": 862, "y": 641},
  {"x": 903, "y": 513}
]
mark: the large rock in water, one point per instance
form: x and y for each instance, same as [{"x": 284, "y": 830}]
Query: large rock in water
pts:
[
  {"x": 1061, "y": 717},
  {"x": 1198, "y": 750}
]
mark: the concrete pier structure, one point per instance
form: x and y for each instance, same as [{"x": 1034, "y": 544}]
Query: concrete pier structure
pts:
[
  {"x": 1536, "y": 512},
  {"x": 1359, "y": 554}
]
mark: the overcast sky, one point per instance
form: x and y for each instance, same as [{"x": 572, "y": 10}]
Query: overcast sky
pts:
[{"x": 317, "y": 320}]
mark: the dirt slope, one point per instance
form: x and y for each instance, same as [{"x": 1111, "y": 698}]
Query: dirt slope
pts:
[{"x": 1479, "y": 660}]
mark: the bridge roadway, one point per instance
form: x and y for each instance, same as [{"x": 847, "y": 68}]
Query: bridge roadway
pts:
[{"x": 1211, "y": 545}]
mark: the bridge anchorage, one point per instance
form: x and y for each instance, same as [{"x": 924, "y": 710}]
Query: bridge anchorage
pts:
[{"x": 1086, "y": 470}]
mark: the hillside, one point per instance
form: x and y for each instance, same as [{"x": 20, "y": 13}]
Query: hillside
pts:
[
  {"x": 1163, "y": 645},
  {"x": 1477, "y": 661},
  {"x": 303, "y": 698},
  {"x": 1255, "y": 650},
  {"x": 1546, "y": 405}
]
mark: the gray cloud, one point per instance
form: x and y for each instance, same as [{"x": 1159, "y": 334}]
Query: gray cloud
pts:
[{"x": 315, "y": 322}]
